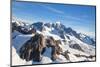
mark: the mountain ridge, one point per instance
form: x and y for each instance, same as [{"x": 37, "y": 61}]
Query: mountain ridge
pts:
[{"x": 74, "y": 45}]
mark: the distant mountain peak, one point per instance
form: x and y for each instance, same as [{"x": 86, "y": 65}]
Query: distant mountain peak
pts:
[{"x": 58, "y": 22}]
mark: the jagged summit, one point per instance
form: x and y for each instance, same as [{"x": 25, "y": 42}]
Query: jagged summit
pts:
[{"x": 60, "y": 29}]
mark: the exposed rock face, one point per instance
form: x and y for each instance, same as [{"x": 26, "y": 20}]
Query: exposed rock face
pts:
[
  {"x": 76, "y": 46},
  {"x": 22, "y": 29},
  {"x": 65, "y": 54},
  {"x": 34, "y": 47}
]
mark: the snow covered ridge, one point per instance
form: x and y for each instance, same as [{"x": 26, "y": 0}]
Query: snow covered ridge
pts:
[{"x": 42, "y": 43}]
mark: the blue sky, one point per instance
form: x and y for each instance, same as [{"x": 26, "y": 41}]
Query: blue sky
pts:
[{"x": 80, "y": 18}]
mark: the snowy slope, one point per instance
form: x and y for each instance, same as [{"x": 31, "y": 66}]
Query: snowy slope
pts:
[
  {"x": 16, "y": 60},
  {"x": 20, "y": 40}
]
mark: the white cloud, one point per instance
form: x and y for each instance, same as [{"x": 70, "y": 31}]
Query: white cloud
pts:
[
  {"x": 52, "y": 9},
  {"x": 86, "y": 32}
]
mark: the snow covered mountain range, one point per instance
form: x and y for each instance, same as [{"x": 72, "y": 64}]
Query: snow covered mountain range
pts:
[{"x": 76, "y": 46}]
